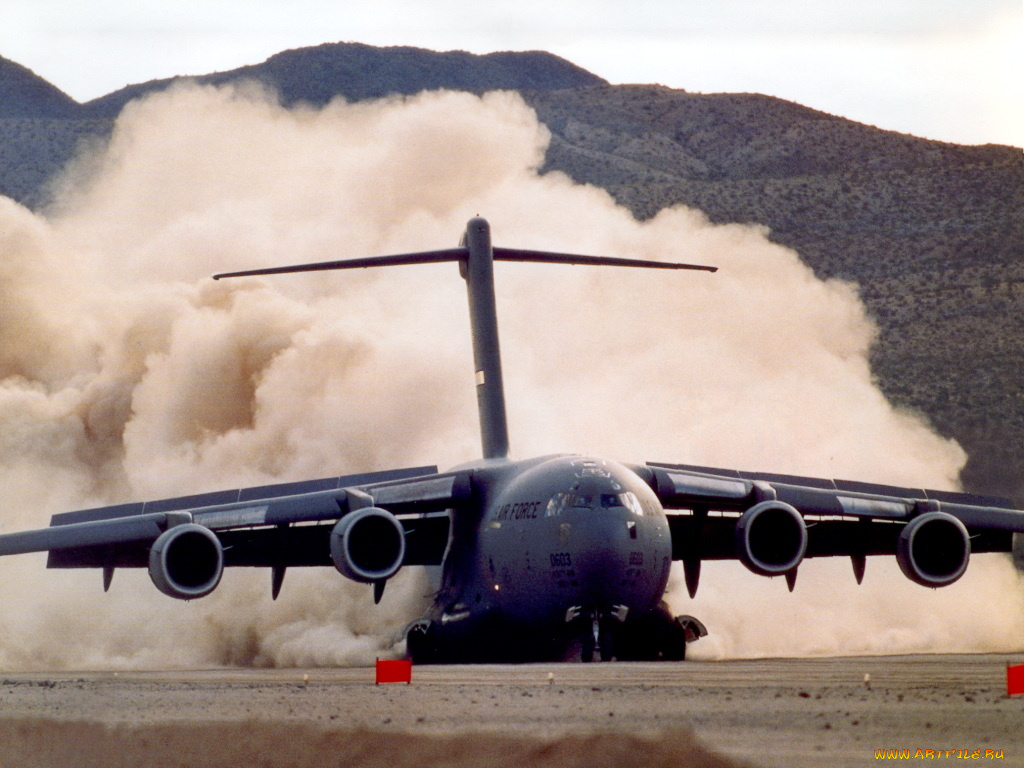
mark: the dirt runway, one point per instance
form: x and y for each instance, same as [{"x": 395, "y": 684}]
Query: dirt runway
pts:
[{"x": 767, "y": 713}]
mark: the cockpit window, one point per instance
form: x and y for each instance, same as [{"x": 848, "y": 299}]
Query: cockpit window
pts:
[
  {"x": 632, "y": 503},
  {"x": 561, "y": 502},
  {"x": 556, "y": 506}
]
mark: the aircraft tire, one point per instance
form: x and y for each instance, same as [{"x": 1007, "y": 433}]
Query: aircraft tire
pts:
[
  {"x": 674, "y": 644},
  {"x": 636, "y": 644},
  {"x": 587, "y": 647},
  {"x": 420, "y": 644},
  {"x": 607, "y": 641},
  {"x": 656, "y": 636}
]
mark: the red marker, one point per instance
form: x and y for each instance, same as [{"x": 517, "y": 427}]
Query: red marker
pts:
[
  {"x": 394, "y": 671},
  {"x": 1014, "y": 679}
]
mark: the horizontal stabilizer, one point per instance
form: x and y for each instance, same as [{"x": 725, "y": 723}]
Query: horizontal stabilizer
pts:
[
  {"x": 461, "y": 254},
  {"x": 423, "y": 257},
  {"x": 549, "y": 257}
]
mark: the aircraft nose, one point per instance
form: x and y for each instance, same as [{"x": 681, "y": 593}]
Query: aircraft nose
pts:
[{"x": 601, "y": 556}]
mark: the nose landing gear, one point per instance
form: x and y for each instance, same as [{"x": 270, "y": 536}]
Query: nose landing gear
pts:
[
  {"x": 599, "y": 637},
  {"x": 596, "y": 630},
  {"x": 654, "y": 636}
]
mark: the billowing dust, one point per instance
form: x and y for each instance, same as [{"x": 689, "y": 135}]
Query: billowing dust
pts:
[{"x": 127, "y": 373}]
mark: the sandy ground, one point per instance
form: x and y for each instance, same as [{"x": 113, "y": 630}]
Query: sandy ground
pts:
[{"x": 767, "y": 713}]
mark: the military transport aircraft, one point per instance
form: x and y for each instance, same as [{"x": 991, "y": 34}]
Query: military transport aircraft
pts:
[{"x": 542, "y": 558}]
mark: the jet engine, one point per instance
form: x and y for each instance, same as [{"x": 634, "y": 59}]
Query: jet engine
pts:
[
  {"x": 186, "y": 561},
  {"x": 933, "y": 549},
  {"x": 771, "y": 538},
  {"x": 368, "y": 545}
]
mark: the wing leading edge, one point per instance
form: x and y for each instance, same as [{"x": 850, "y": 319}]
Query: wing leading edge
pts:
[
  {"x": 771, "y": 522},
  {"x": 277, "y": 526}
]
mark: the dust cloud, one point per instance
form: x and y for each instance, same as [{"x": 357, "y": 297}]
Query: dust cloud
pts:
[{"x": 126, "y": 373}]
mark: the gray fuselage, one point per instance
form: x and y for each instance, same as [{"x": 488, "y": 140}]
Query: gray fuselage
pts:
[{"x": 557, "y": 543}]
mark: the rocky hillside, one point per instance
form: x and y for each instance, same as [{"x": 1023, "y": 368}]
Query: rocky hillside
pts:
[
  {"x": 40, "y": 127},
  {"x": 932, "y": 232},
  {"x": 355, "y": 71}
]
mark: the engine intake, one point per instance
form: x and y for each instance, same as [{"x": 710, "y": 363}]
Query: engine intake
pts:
[
  {"x": 368, "y": 545},
  {"x": 771, "y": 538},
  {"x": 933, "y": 549},
  {"x": 186, "y": 561}
]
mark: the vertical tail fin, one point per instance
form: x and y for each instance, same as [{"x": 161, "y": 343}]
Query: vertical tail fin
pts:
[
  {"x": 483, "y": 319},
  {"x": 476, "y": 258}
]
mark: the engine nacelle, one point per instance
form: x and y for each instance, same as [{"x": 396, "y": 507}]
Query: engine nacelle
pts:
[
  {"x": 368, "y": 545},
  {"x": 933, "y": 550},
  {"x": 186, "y": 561},
  {"x": 771, "y": 538}
]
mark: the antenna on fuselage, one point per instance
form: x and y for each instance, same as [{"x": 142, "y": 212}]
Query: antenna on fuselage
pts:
[{"x": 476, "y": 258}]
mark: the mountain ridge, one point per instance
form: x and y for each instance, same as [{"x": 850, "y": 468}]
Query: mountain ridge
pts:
[
  {"x": 318, "y": 74},
  {"x": 23, "y": 93}
]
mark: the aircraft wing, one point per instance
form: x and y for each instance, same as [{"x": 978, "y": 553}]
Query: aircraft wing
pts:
[
  {"x": 277, "y": 526},
  {"x": 771, "y": 522}
]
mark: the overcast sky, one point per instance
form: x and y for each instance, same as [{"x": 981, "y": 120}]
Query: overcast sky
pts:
[{"x": 943, "y": 69}]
